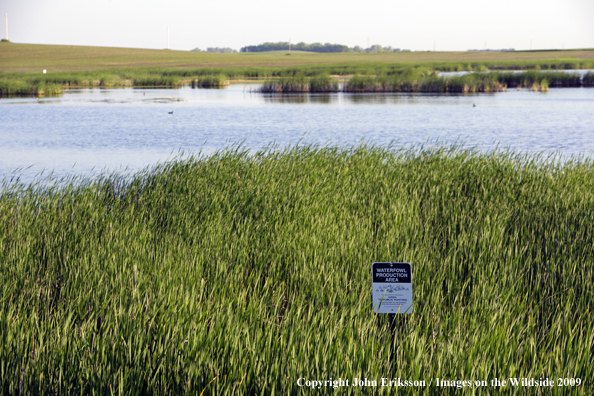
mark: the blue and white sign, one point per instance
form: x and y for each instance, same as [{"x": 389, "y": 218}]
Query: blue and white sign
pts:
[{"x": 392, "y": 288}]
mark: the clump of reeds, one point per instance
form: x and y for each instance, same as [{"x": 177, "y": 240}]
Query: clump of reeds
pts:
[
  {"x": 15, "y": 87},
  {"x": 217, "y": 81},
  {"x": 588, "y": 80},
  {"x": 24, "y": 88},
  {"x": 48, "y": 89},
  {"x": 534, "y": 78},
  {"x": 358, "y": 84},
  {"x": 157, "y": 81},
  {"x": 295, "y": 84},
  {"x": 110, "y": 80},
  {"x": 322, "y": 84},
  {"x": 424, "y": 82}
]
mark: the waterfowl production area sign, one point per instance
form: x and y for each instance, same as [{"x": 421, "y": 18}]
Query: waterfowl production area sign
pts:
[{"x": 392, "y": 288}]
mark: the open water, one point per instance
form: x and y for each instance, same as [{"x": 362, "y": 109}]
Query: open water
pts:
[{"x": 89, "y": 131}]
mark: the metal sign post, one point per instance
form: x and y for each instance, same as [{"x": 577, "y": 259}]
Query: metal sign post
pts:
[
  {"x": 392, "y": 288},
  {"x": 391, "y": 285}
]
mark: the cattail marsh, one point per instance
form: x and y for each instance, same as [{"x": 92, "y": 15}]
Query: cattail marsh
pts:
[{"x": 239, "y": 273}]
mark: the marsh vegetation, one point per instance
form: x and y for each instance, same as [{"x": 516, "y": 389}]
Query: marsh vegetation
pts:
[
  {"x": 423, "y": 79},
  {"x": 300, "y": 84},
  {"x": 310, "y": 79},
  {"x": 216, "y": 81},
  {"x": 237, "y": 273}
]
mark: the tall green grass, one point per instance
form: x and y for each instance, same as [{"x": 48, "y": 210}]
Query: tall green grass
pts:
[
  {"x": 19, "y": 87},
  {"x": 218, "y": 81},
  {"x": 322, "y": 84},
  {"x": 528, "y": 78},
  {"x": 588, "y": 80},
  {"x": 425, "y": 82},
  {"x": 296, "y": 84},
  {"x": 15, "y": 87},
  {"x": 156, "y": 81},
  {"x": 300, "y": 84},
  {"x": 240, "y": 273}
]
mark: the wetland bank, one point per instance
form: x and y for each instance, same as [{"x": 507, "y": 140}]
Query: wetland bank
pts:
[{"x": 408, "y": 72}]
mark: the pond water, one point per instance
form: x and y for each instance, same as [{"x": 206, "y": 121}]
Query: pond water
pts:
[{"x": 92, "y": 130}]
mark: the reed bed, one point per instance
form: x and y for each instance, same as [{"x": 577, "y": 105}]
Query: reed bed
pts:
[
  {"x": 300, "y": 84},
  {"x": 23, "y": 88},
  {"x": 529, "y": 78},
  {"x": 322, "y": 84},
  {"x": 297, "y": 84},
  {"x": 218, "y": 81},
  {"x": 428, "y": 83},
  {"x": 425, "y": 80},
  {"x": 15, "y": 87},
  {"x": 369, "y": 67},
  {"x": 156, "y": 81},
  {"x": 240, "y": 273},
  {"x": 412, "y": 76},
  {"x": 588, "y": 80}
]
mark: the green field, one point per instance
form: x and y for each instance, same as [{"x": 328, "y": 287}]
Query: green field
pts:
[
  {"x": 240, "y": 274},
  {"x": 62, "y": 58}
]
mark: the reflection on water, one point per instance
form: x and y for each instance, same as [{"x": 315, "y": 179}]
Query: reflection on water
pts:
[
  {"x": 359, "y": 98},
  {"x": 301, "y": 98},
  {"x": 88, "y": 129},
  {"x": 581, "y": 72}
]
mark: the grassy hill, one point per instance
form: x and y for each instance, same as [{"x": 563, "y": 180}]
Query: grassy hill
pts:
[{"x": 36, "y": 57}]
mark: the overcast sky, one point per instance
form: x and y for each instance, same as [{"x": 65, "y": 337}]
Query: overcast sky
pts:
[{"x": 417, "y": 25}]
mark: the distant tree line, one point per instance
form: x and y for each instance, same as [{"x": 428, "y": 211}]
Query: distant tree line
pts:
[{"x": 315, "y": 47}]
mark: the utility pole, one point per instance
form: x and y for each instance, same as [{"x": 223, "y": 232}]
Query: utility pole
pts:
[
  {"x": 289, "y": 45},
  {"x": 167, "y": 37},
  {"x": 6, "y": 21},
  {"x": 433, "y": 45}
]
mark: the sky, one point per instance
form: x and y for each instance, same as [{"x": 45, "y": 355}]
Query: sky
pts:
[{"x": 455, "y": 25}]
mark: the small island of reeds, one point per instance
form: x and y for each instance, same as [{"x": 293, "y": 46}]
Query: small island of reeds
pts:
[
  {"x": 240, "y": 272},
  {"x": 428, "y": 81}
]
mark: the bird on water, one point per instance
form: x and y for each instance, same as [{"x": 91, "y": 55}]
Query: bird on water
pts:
[
  {"x": 473, "y": 105},
  {"x": 171, "y": 112}
]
